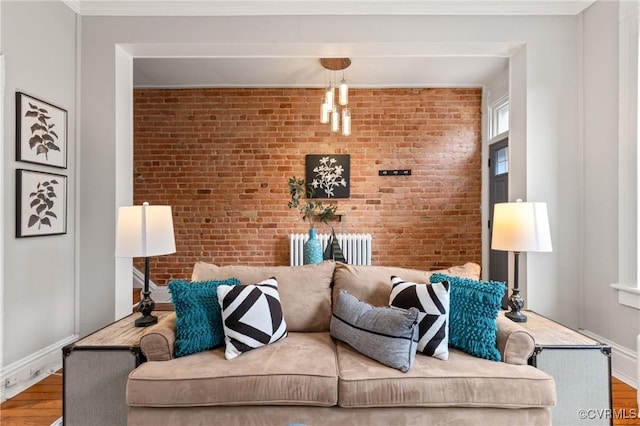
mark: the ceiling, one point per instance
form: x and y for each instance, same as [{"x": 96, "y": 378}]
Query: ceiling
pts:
[
  {"x": 307, "y": 72},
  {"x": 433, "y": 66}
]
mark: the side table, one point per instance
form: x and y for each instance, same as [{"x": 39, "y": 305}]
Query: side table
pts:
[
  {"x": 581, "y": 368},
  {"x": 95, "y": 372}
]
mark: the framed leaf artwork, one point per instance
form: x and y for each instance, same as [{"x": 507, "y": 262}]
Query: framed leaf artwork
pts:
[
  {"x": 41, "y": 203},
  {"x": 41, "y": 132},
  {"x": 328, "y": 175}
]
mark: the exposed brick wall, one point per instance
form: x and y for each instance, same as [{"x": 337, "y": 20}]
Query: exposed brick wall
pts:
[{"x": 222, "y": 157}]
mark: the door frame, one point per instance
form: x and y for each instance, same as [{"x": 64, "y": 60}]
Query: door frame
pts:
[
  {"x": 486, "y": 208},
  {"x": 497, "y": 144}
]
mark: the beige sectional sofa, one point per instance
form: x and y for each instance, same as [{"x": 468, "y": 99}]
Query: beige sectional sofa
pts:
[{"x": 310, "y": 378}]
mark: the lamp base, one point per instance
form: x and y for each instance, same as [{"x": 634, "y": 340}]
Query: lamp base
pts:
[
  {"x": 145, "y": 307},
  {"x": 516, "y": 316},
  {"x": 146, "y": 321},
  {"x": 516, "y": 304}
]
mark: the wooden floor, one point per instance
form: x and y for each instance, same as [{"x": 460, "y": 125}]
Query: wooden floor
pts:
[
  {"x": 41, "y": 405},
  {"x": 625, "y": 404}
]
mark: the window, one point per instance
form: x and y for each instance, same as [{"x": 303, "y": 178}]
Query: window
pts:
[
  {"x": 502, "y": 161},
  {"x": 502, "y": 118},
  {"x": 499, "y": 115}
]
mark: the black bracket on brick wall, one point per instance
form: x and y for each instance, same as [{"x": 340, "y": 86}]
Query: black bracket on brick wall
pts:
[{"x": 406, "y": 172}]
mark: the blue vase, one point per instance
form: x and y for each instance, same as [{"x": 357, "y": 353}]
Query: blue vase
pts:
[{"x": 312, "y": 249}]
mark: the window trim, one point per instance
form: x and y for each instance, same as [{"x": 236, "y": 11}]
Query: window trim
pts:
[{"x": 627, "y": 287}]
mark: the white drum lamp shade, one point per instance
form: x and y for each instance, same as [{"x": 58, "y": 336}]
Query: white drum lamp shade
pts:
[
  {"x": 519, "y": 227},
  {"x": 144, "y": 231}
]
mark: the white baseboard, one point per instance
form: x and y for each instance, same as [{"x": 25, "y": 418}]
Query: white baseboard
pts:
[
  {"x": 31, "y": 369},
  {"x": 624, "y": 361}
]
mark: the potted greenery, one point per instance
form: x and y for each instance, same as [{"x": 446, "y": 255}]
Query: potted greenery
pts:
[{"x": 312, "y": 211}]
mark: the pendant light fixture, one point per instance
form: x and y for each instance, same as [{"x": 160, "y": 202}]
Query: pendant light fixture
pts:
[
  {"x": 346, "y": 122},
  {"x": 335, "y": 120},
  {"x": 325, "y": 112},
  {"x": 336, "y": 113},
  {"x": 343, "y": 92}
]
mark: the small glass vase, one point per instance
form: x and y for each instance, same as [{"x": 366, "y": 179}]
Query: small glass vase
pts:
[{"x": 312, "y": 249}]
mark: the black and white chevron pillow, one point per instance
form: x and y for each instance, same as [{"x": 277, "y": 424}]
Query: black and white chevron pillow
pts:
[
  {"x": 251, "y": 316},
  {"x": 432, "y": 300}
]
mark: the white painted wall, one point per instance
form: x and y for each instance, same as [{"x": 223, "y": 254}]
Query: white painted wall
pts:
[
  {"x": 38, "y": 280},
  {"x": 553, "y": 170},
  {"x": 601, "y": 312}
]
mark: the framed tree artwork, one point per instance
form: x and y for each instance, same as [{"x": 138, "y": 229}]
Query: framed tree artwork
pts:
[
  {"x": 41, "y": 203},
  {"x": 327, "y": 175},
  {"x": 41, "y": 132}
]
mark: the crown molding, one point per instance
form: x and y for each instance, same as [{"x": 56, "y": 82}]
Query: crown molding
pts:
[
  {"x": 73, "y": 5},
  {"x": 325, "y": 7}
]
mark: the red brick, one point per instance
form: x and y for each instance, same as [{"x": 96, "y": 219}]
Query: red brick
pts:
[{"x": 222, "y": 157}]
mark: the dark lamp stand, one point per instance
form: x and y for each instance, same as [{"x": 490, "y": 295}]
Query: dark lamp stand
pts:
[
  {"x": 515, "y": 301},
  {"x": 146, "y": 305}
]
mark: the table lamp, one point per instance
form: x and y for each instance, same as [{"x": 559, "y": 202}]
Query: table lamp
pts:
[
  {"x": 144, "y": 231},
  {"x": 519, "y": 227}
]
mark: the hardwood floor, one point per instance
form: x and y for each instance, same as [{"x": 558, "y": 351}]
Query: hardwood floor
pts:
[
  {"x": 41, "y": 404},
  {"x": 625, "y": 404}
]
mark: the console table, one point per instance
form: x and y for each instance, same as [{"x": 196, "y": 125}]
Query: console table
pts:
[
  {"x": 581, "y": 368},
  {"x": 95, "y": 372}
]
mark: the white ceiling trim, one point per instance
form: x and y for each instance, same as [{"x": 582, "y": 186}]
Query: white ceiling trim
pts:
[
  {"x": 311, "y": 50},
  {"x": 325, "y": 7}
]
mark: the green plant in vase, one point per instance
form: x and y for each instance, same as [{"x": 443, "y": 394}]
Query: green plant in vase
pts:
[{"x": 312, "y": 211}]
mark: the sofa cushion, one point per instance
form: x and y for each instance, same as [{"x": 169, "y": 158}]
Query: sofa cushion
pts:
[
  {"x": 305, "y": 291},
  {"x": 432, "y": 300},
  {"x": 462, "y": 381},
  {"x": 251, "y": 316},
  {"x": 299, "y": 370},
  {"x": 198, "y": 319},
  {"x": 372, "y": 284},
  {"x": 473, "y": 311},
  {"x": 387, "y": 334}
]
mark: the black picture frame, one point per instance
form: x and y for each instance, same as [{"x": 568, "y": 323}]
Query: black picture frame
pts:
[
  {"x": 41, "y": 132},
  {"x": 41, "y": 203},
  {"x": 328, "y": 175}
]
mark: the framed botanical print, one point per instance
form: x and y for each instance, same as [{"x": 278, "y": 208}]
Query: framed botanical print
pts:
[
  {"x": 327, "y": 175},
  {"x": 41, "y": 132},
  {"x": 41, "y": 203}
]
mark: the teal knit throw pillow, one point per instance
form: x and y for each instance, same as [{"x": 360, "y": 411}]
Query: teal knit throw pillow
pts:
[
  {"x": 198, "y": 316},
  {"x": 473, "y": 309}
]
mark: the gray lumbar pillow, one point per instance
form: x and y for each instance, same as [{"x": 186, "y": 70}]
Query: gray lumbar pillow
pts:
[{"x": 388, "y": 335}]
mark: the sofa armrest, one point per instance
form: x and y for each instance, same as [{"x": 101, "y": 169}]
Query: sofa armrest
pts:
[
  {"x": 157, "y": 341},
  {"x": 515, "y": 343}
]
